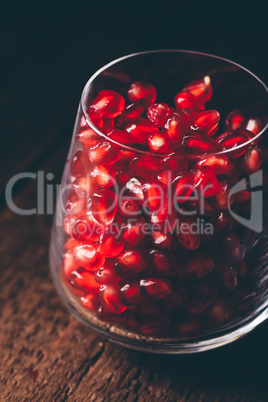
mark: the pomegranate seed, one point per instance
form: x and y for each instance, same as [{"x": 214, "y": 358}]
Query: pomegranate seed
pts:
[
  {"x": 253, "y": 159},
  {"x": 158, "y": 142},
  {"x": 136, "y": 109},
  {"x": 119, "y": 136},
  {"x": 80, "y": 164},
  {"x": 108, "y": 125},
  {"x": 155, "y": 288},
  {"x": 90, "y": 302},
  {"x": 185, "y": 100},
  {"x": 221, "y": 197},
  {"x": 154, "y": 195},
  {"x": 198, "y": 144},
  {"x": 69, "y": 264},
  {"x": 151, "y": 311},
  {"x": 235, "y": 120},
  {"x": 196, "y": 307},
  {"x": 240, "y": 197},
  {"x": 108, "y": 104},
  {"x": 95, "y": 118},
  {"x": 177, "y": 297},
  {"x": 84, "y": 186},
  {"x": 218, "y": 162},
  {"x": 146, "y": 166},
  {"x": 141, "y": 90},
  {"x": 109, "y": 298},
  {"x": 176, "y": 162},
  {"x": 232, "y": 171},
  {"x": 71, "y": 244},
  {"x": 68, "y": 223},
  {"x": 134, "y": 187},
  {"x": 75, "y": 204},
  {"x": 122, "y": 177},
  {"x": 104, "y": 315},
  {"x": 157, "y": 113},
  {"x": 104, "y": 153},
  {"x": 234, "y": 246},
  {"x": 230, "y": 277},
  {"x": 175, "y": 127},
  {"x": 130, "y": 294},
  {"x": 218, "y": 314},
  {"x": 201, "y": 89},
  {"x": 130, "y": 263},
  {"x": 87, "y": 229},
  {"x": 189, "y": 238},
  {"x": 84, "y": 280},
  {"x": 189, "y": 328},
  {"x": 129, "y": 208},
  {"x": 107, "y": 273},
  {"x": 139, "y": 130},
  {"x": 206, "y": 121},
  {"x": 104, "y": 206},
  {"x": 206, "y": 181},
  {"x": 162, "y": 240},
  {"x": 110, "y": 243},
  {"x": 104, "y": 176},
  {"x": 198, "y": 266},
  {"x": 254, "y": 125},
  {"x": 165, "y": 220},
  {"x": 233, "y": 140},
  {"x": 166, "y": 177},
  {"x": 206, "y": 289},
  {"x": 88, "y": 257},
  {"x": 184, "y": 186},
  {"x": 133, "y": 232},
  {"x": 222, "y": 221},
  {"x": 87, "y": 137},
  {"x": 156, "y": 328},
  {"x": 164, "y": 265}
]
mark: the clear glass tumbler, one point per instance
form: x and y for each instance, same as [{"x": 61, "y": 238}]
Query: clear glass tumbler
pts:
[{"x": 159, "y": 237}]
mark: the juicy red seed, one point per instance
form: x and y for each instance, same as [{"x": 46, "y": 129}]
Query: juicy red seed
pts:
[
  {"x": 108, "y": 104},
  {"x": 71, "y": 244},
  {"x": 141, "y": 90},
  {"x": 199, "y": 205},
  {"x": 157, "y": 328},
  {"x": 80, "y": 164},
  {"x": 176, "y": 162},
  {"x": 134, "y": 188},
  {"x": 157, "y": 113},
  {"x": 130, "y": 263},
  {"x": 109, "y": 298},
  {"x": 218, "y": 162},
  {"x": 206, "y": 181},
  {"x": 188, "y": 235},
  {"x": 87, "y": 229},
  {"x": 75, "y": 204},
  {"x": 133, "y": 232},
  {"x": 146, "y": 166},
  {"x": 139, "y": 130},
  {"x": 87, "y": 137},
  {"x": 198, "y": 266},
  {"x": 230, "y": 277},
  {"x": 206, "y": 289},
  {"x": 104, "y": 315},
  {"x": 84, "y": 186},
  {"x": 130, "y": 294},
  {"x": 164, "y": 265},
  {"x": 165, "y": 220},
  {"x": 82, "y": 279},
  {"x": 253, "y": 160},
  {"x": 136, "y": 109},
  {"x": 154, "y": 195},
  {"x": 90, "y": 302},
  {"x": 122, "y": 177},
  {"x": 254, "y": 125},
  {"x": 104, "y": 153},
  {"x": 96, "y": 119},
  {"x": 184, "y": 186},
  {"x": 232, "y": 171},
  {"x": 235, "y": 120},
  {"x": 196, "y": 307},
  {"x": 166, "y": 177},
  {"x": 129, "y": 208},
  {"x": 104, "y": 176},
  {"x": 201, "y": 89},
  {"x": 88, "y": 257},
  {"x": 177, "y": 297},
  {"x": 118, "y": 136},
  {"x": 234, "y": 246},
  {"x": 233, "y": 140},
  {"x": 175, "y": 128},
  {"x": 198, "y": 144},
  {"x": 221, "y": 198},
  {"x": 69, "y": 264},
  {"x": 108, "y": 125},
  {"x": 218, "y": 314},
  {"x": 162, "y": 240},
  {"x": 185, "y": 100},
  {"x": 110, "y": 243},
  {"x": 68, "y": 223},
  {"x": 206, "y": 121},
  {"x": 104, "y": 206},
  {"x": 155, "y": 288},
  {"x": 107, "y": 274},
  {"x": 189, "y": 328},
  {"x": 222, "y": 221},
  {"x": 158, "y": 142}
]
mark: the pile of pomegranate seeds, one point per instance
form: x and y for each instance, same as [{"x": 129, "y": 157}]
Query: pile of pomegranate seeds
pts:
[{"x": 138, "y": 250}]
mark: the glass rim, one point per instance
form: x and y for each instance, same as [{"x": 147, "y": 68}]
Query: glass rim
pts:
[{"x": 150, "y": 153}]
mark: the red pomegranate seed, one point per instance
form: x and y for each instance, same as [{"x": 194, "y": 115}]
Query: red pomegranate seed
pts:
[
  {"x": 88, "y": 257},
  {"x": 230, "y": 277},
  {"x": 155, "y": 288},
  {"x": 129, "y": 208},
  {"x": 75, "y": 204},
  {"x": 240, "y": 197},
  {"x": 164, "y": 265},
  {"x": 162, "y": 240},
  {"x": 139, "y": 130},
  {"x": 119, "y": 136},
  {"x": 157, "y": 113},
  {"x": 104, "y": 176},
  {"x": 158, "y": 142},
  {"x": 188, "y": 235},
  {"x": 109, "y": 298},
  {"x": 104, "y": 153},
  {"x": 104, "y": 206},
  {"x": 136, "y": 109},
  {"x": 110, "y": 242},
  {"x": 199, "y": 206},
  {"x": 108, "y": 125},
  {"x": 68, "y": 223},
  {"x": 189, "y": 328},
  {"x": 80, "y": 164},
  {"x": 155, "y": 194},
  {"x": 233, "y": 140},
  {"x": 108, "y": 104},
  {"x": 146, "y": 166},
  {"x": 90, "y": 302},
  {"x": 95, "y": 118},
  {"x": 87, "y": 229},
  {"x": 157, "y": 328},
  {"x": 84, "y": 186},
  {"x": 222, "y": 221},
  {"x": 234, "y": 246},
  {"x": 206, "y": 289},
  {"x": 218, "y": 162},
  {"x": 199, "y": 144},
  {"x": 176, "y": 162},
  {"x": 235, "y": 120},
  {"x": 196, "y": 307},
  {"x": 206, "y": 181},
  {"x": 185, "y": 100},
  {"x": 165, "y": 220},
  {"x": 87, "y": 137},
  {"x": 130, "y": 294},
  {"x": 177, "y": 297},
  {"x": 218, "y": 314},
  {"x": 201, "y": 89},
  {"x": 254, "y": 125},
  {"x": 175, "y": 127},
  {"x": 71, "y": 244},
  {"x": 206, "y": 121},
  {"x": 198, "y": 266},
  {"x": 69, "y": 264},
  {"x": 122, "y": 177},
  {"x": 166, "y": 177},
  {"x": 221, "y": 198},
  {"x": 133, "y": 232},
  {"x": 107, "y": 273},
  {"x": 184, "y": 186},
  {"x": 134, "y": 188},
  {"x": 141, "y": 90},
  {"x": 232, "y": 171},
  {"x": 130, "y": 263},
  {"x": 253, "y": 159},
  {"x": 84, "y": 280}
]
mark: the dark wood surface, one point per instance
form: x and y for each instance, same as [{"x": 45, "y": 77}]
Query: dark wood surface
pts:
[{"x": 45, "y": 354}]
